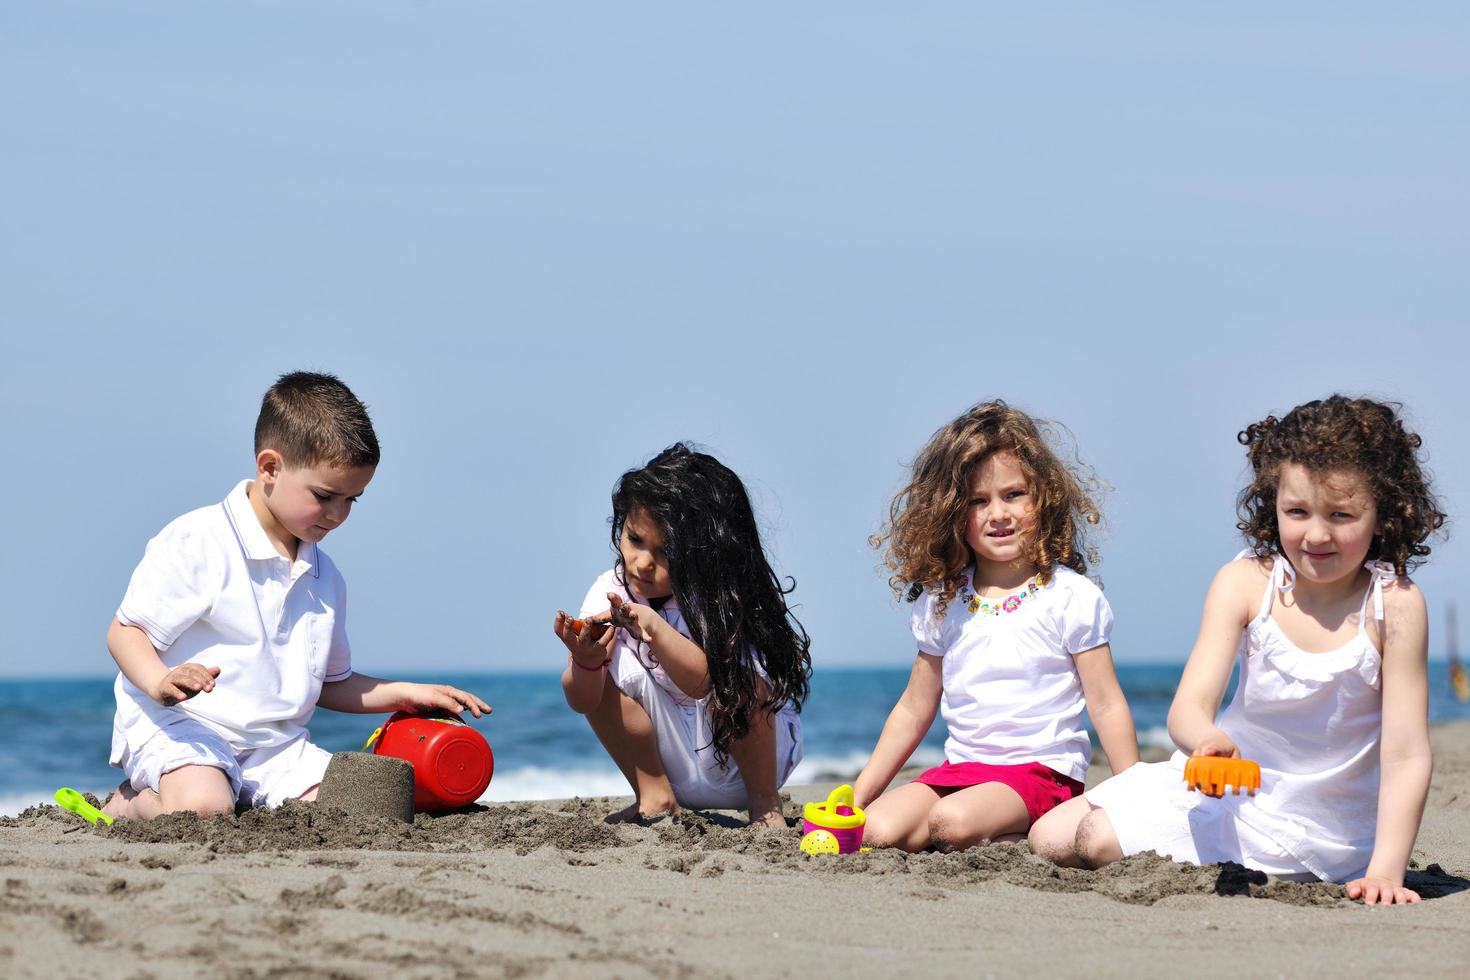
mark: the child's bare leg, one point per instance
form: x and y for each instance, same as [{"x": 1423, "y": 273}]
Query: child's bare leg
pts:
[
  {"x": 977, "y": 815},
  {"x": 755, "y": 756},
  {"x": 1097, "y": 842},
  {"x": 1054, "y": 836},
  {"x": 128, "y": 802},
  {"x": 900, "y": 817},
  {"x": 626, "y": 732},
  {"x": 203, "y": 789}
]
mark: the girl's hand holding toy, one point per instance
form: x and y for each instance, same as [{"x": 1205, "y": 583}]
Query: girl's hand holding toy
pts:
[
  {"x": 589, "y": 641},
  {"x": 1217, "y": 743},
  {"x": 1210, "y": 774},
  {"x": 1216, "y": 764},
  {"x": 597, "y": 626}
]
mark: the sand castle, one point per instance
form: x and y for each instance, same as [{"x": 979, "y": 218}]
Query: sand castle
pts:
[{"x": 368, "y": 785}]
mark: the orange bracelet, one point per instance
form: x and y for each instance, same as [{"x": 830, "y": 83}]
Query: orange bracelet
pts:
[{"x": 597, "y": 668}]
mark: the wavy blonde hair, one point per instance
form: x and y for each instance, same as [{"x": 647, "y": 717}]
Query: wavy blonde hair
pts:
[{"x": 924, "y": 538}]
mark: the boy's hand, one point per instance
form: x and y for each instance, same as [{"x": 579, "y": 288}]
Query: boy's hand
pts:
[
  {"x": 1380, "y": 891},
  {"x": 639, "y": 620},
  {"x": 423, "y": 697},
  {"x": 592, "y": 644},
  {"x": 182, "y": 683}
]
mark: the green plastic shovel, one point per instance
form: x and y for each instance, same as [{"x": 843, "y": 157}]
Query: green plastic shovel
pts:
[{"x": 69, "y": 799}]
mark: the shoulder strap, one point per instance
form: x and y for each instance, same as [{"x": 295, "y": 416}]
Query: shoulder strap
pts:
[
  {"x": 1381, "y": 573},
  {"x": 1282, "y": 578}
]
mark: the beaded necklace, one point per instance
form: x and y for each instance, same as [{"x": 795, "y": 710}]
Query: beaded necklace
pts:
[{"x": 981, "y": 606}]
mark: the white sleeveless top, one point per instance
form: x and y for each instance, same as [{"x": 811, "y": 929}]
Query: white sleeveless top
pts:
[{"x": 1313, "y": 722}]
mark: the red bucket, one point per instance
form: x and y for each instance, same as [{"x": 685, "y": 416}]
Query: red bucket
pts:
[{"x": 452, "y": 763}]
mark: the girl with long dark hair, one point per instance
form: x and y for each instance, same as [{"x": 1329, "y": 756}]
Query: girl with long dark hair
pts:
[{"x": 686, "y": 659}]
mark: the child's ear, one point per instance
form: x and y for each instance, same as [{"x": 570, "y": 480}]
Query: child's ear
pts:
[{"x": 268, "y": 466}]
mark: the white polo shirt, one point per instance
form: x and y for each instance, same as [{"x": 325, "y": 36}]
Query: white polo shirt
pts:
[
  {"x": 1011, "y": 691},
  {"x": 212, "y": 589}
]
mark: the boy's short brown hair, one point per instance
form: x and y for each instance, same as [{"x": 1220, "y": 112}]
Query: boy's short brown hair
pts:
[{"x": 311, "y": 419}]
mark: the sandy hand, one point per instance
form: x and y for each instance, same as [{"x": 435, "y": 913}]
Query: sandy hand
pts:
[
  {"x": 589, "y": 640},
  {"x": 1380, "y": 891},
  {"x": 596, "y": 626},
  {"x": 183, "y": 682},
  {"x": 629, "y": 616}
]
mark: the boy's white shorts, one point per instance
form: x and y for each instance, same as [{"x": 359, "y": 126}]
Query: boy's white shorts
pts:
[
  {"x": 258, "y": 777},
  {"x": 685, "y": 747}
]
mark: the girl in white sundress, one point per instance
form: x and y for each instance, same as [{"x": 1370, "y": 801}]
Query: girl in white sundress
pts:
[{"x": 1331, "y": 638}]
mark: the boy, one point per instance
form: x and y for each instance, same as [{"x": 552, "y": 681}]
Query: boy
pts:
[{"x": 232, "y": 630}]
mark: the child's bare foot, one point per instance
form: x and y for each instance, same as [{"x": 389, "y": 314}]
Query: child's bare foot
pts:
[
  {"x": 118, "y": 804},
  {"x": 769, "y": 815},
  {"x": 642, "y": 812}
]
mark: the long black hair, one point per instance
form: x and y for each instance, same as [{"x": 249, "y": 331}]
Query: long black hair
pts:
[{"x": 733, "y": 604}]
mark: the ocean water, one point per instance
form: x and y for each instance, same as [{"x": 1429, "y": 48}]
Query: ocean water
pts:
[{"x": 57, "y": 733}]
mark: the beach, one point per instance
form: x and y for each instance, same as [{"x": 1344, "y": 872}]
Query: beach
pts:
[{"x": 548, "y": 889}]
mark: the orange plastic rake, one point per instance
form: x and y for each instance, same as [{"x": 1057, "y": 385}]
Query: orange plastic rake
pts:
[{"x": 1212, "y": 773}]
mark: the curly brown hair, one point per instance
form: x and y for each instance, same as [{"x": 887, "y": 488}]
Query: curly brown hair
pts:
[
  {"x": 1343, "y": 434},
  {"x": 925, "y": 532}
]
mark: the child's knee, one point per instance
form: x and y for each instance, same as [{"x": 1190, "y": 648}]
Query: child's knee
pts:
[
  {"x": 203, "y": 801},
  {"x": 953, "y": 826},
  {"x": 1052, "y": 843},
  {"x": 877, "y": 833},
  {"x": 1096, "y": 844},
  {"x": 883, "y": 830},
  {"x": 199, "y": 789},
  {"x": 1054, "y": 836}
]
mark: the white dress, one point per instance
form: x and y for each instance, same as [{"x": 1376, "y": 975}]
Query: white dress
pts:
[{"x": 1313, "y": 722}]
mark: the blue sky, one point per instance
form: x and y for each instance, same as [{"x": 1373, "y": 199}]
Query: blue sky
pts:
[{"x": 543, "y": 243}]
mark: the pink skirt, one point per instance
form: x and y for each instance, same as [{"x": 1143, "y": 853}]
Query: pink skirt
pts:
[{"x": 1039, "y": 787}]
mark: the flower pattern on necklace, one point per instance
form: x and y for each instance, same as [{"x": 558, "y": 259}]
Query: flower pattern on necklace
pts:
[{"x": 981, "y": 606}]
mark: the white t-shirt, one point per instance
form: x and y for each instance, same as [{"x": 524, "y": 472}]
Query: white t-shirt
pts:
[
  {"x": 1011, "y": 692},
  {"x": 212, "y": 589}
]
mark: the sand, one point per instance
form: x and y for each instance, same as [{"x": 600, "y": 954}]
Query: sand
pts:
[
  {"x": 532, "y": 889},
  {"x": 368, "y": 785}
]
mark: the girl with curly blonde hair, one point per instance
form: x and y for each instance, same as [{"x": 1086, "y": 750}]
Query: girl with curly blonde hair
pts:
[{"x": 988, "y": 539}]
